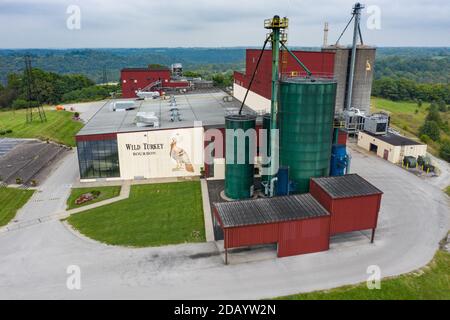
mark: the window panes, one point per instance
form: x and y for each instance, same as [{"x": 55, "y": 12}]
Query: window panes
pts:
[{"x": 98, "y": 159}]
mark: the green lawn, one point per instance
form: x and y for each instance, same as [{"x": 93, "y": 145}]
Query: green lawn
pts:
[
  {"x": 12, "y": 200},
  {"x": 105, "y": 193},
  {"x": 406, "y": 120},
  {"x": 447, "y": 191},
  {"x": 430, "y": 283},
  {"x": 154, "y": 215},
  {"x": 59, "y": 126}
]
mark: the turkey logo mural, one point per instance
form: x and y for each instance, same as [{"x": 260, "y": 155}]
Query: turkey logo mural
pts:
[{"x": 179, "y": 155}]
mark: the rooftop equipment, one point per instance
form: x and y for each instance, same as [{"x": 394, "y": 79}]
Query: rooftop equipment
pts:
[
  {"x": 147, "y": 119},
  {"x": 123, "y": 105},
  {"x": 306, "y": 128},
  {"x": 239, "y": 159},
  {"x": 177, "y": 69},
  {"x": 353, "y": 120},
  {"x": 377, "y": 124}
]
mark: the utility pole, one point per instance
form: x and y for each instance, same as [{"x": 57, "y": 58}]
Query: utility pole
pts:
[{"x": 30, "y": 94}]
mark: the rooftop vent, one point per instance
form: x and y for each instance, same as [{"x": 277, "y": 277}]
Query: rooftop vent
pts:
[
  {"x": 175, "y": 115},
  {"x": 122, "y": 105},
  {"x": 147, "y": 119}
]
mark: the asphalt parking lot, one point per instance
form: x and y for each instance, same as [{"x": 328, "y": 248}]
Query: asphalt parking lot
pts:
[{"x": 8, "y": 144}]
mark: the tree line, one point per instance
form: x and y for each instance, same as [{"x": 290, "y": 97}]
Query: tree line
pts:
[
  {"x": 49, "y": 88},
  {"x": 402, "y": 89}
]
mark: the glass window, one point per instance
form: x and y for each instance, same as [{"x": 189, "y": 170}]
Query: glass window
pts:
[{"x": 98, "y": 159}]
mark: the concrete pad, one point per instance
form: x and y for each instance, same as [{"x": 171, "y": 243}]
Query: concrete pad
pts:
[{"x": 247, "y": 254}]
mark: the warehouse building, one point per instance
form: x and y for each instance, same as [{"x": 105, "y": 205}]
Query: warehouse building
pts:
[
  {"x": 390, "y": 146},
  {"x": 136, "y": 79},
  {"x": 330, "y": 62},
  {"x": 155, "y": 138}
]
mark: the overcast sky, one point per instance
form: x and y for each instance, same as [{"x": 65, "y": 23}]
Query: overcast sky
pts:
[{"x": 214, "y": 23}]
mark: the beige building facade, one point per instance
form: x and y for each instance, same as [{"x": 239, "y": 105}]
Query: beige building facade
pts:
[{"x": 391, "y": 147}]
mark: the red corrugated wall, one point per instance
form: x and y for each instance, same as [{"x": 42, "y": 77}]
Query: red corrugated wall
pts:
[
  {"x": 97, "y": 137},
  {"x": 293, "y": 237},
  {"x": 304, "y": 236},
  {"x": 319, "y": 63},
  {"x": 139, "y": 79},
  {"x": 251, "y": 235},
  {"x": 348, "y": 214}
]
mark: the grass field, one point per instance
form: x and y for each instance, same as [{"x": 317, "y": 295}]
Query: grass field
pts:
[
  {"x": 447, "y": 191},
  {"x": 406, "y": 120},
  {"x": 59, "y": 126},
  {"x": 12, "y": 200},
  {"x": 105, "y": 193},
  {"x": 154, "y": 215},
  {"x": 430, "y": 283}
]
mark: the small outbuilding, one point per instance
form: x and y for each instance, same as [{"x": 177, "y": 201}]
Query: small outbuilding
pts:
[
  {"x": 352, "y": 201},
  {"x": 298, "y": 224},
  {"x": 391, "y": 147}
]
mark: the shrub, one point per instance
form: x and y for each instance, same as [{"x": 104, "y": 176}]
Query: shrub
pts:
[
  {"x": 425, "y": 139},
  {"x": 431, "y": 129},
  {"x": 444, "y": 151}
]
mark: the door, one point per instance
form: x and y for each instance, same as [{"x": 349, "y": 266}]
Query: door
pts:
[{"x": 386, "y": 155}]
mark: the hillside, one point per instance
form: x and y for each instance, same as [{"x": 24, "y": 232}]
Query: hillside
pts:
[
  {"x": 419, "y": 64},
  {"x": 405, "y": 119}
]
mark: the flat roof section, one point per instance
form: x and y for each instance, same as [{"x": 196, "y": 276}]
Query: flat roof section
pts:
[
  {"x": 394, "y": 139},
  {"x": 348, "y": 186},
  {"x": 206, "y": 106},
  {"x": 269, "y": 210}
]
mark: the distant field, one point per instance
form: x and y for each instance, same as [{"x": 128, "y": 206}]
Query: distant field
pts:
[
  {"x": 406, "y": 120},
  {"x": 59, "y": 126},
  {"x": 154, "y": 215},
  {"x": 430, "y": 283},
  {"x": 12, "y": 200}
]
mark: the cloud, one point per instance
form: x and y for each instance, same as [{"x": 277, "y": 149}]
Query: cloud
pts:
[{"x": 157, "y": 23}]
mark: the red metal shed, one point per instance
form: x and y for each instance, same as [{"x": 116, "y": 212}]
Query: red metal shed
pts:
[
  {"x": 298, "y": 224},
  {"x": 353, "y": 202}
]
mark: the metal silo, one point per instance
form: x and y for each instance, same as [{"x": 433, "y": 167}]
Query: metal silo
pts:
[
  {"x": 240, "y": 153},
  {"x": 265, "y": 175},
  {"x": 306, "y": 116}
]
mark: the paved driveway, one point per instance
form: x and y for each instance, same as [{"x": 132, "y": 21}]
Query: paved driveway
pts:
[{"x": 33, "y": 261}]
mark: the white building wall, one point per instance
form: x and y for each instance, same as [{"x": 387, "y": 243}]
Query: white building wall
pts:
[
  {"x": 161, "y": 154},
  {"x": 396, "y": 153},
  {"x": 255, "y": 101}
]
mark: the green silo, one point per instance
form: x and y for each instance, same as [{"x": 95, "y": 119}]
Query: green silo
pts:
[
  {"x": 239, "y": 156},
  {"x": 266, "y": 164},
  {"x": 306, "y": 115}
]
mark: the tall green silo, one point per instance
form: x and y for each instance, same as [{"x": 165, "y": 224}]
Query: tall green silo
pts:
[
  {"x": 265, "y": 176},
  {"x": 239, "y": 156},
  {"x": 306, "y": 115}
]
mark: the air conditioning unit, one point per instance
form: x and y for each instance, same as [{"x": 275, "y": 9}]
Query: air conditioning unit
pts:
[{"x": 147, "y": 119}]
